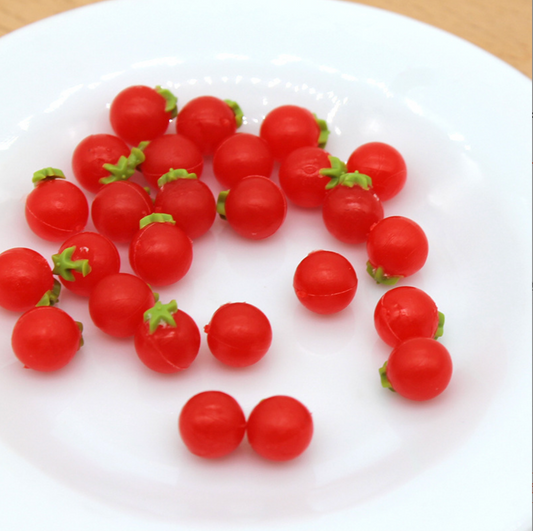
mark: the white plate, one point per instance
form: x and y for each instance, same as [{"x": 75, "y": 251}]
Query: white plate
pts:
[{"x": 95, "y": 446}]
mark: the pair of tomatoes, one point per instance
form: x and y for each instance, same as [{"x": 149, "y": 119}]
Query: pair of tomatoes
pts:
[{"x": 212, "y": 424}]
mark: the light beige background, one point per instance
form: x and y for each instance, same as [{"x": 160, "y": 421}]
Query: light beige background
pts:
[{"x": 502, "y": 27}]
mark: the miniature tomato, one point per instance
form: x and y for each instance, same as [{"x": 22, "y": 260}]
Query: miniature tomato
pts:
[
  {"x": 83, "y": 260},
  {"x": 305, "y": 173},
  {"x": 140, "y": 113},
  {"x": 55, "y": 208},
  {"x": 101, "y": 159},
  {"x": 255, "y": 207},
  {"x": 239, "y": 334},
  {"x": 26, "y": 280},
  {"x": 117, "y": 209},
  {"x": 290, "y": 127},
  {"x": 407, "y": 312},
  {"x": 208, "y": 121},
  {"x": 212, "y": 424},
  {"x": 384, "y": 164},
  {"x": 46, "y": 338},
  {"x": 280, "y": 428},
  {"x": 241, "y": 155},
  {"x": 118, "y": 302},
  {"x": 188, "y": 200},
  {"x": 169, "y": 152},
  {"x": 325, "y": 282},
  {"x": 169, "y": 340},
  {"x": 160, "y": 252},
  {"x": 418, "y": 369},
  {"x": 351, "y": 208},
  {"x": 397, "y": 247}
]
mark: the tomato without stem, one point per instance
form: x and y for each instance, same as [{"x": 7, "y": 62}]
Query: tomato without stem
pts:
[
  {"x": 239, "y": 334},
  {"x": 169, "y": 152},
  {"x": 46, "y": 338},
  {"x": 83, "y": 260},
  {"x": 290, "y": 127},
  {"x": 280, "y": 428},
  {"x": 55, "y": 208},
  {"x": 212, "y": 424},
  {"x": 26, "y": 279},
  {"x": 325, "y": 282},
  {"x": 188, "y": 200},
  {"x": 397, "y": 247},
  {"x": 418, "y": 369},
  {"x": 169, "y": 340},
  {"x": 118, "y": 302},
  {"x": 160, "y": 252},
  {"x": 241, "y": 155},
  {"x": 140, "y": 113},
  {"x": 208, "y": 121},
  {"x": 118, "y": 208},
  {"x": 255, "y": 207},
  {"x": 407, "y": 312},
  {"x": 384, "y": 164}
]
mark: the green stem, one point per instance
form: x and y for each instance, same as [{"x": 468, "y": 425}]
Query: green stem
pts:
[
  {"x": 156, "y": 218},
  {"x": 174, "y": 175},
  {"x": 51, "y": 296},
  {"x": 351, "y": 180},
  {"x": 239, "y": 115},
  {"x": 324, "y": 132},
  {"x": 221, "y": 203},
  {"x": 47, "y": 173},
  {"x": 384, "y": 380},
  {"x": 336, "y": 169},
  {"x": 379, "y": 275},
  {"x": 171, "y": 101},
  {"x": 126, "y": 166},
  {"x": 161, "y": 313},
  {"x": 64, "y": 265},
  {"x": 440, "y": 328}
]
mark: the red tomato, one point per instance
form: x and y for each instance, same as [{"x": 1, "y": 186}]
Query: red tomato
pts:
[
  {"x": 140, "y": 113},
  {"x": 160, "y": 252},
  {"x": 55, "y": 208},
  {"x": 384, "y": 164},
  {"x": 325, "y": 282},
  {"x": 305, "y": 173},
  {"x": 169, "y": 152},
  {"x": 351, "y": 208},
  {"x": 93, "y": 154},
  {"x": 117, "y": 209},
  {"x": 418, "y": 369},
  {"x": 239, "y": 334},
  {"x": 26, "y": 279},
  {"x": 407, "y": 312},
  {"x": 188, "y": 200},
  {"x": 290, "y": 127},
  {"x": 169, "y": 340},
  {"x": 255, "y": 207},
  {"x": 280, "y": 428},
  {"x": 241, "y": 155},
  {"x": 83, "y": 260},
  {"x": 208, "y": 121},
  {"x": 46, "y": 338},
  {"x": 118, "y": 302},
  {"x": 212, "y": 424},
  {"x": 397, "y": 247}
]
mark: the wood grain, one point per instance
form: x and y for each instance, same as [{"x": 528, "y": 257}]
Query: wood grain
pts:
[{"x": 501, "y": 27}]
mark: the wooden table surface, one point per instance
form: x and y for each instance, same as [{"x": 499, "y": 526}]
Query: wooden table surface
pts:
[{"x": 502, "y": 27}]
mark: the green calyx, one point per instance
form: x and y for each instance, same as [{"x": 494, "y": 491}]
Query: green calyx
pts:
[
  {"x": 221, "y": 203},
  {"x": 126, "y": 166},
  {"x": 80, "y": 326},
  {"x": 380, "y": 277},
  {"x": 384, "y": 380},
  {"x": 64, "y": 265},
  {"x": 174, "y": 175},
  {"x": 171, "y": 101},
  {"x": 47, "y": 173},
  {"x": 351, "y": 180},
  {"x": 239, "y": 115},
  {"x": 324, "y": 132},
  {"x": 161, "y": 313},
  {"x": 440, "y": 328},
  {"x": 336, "y": 169},
  {"x": 51, "y": 296},
  {"x": 156, "y": 218}
]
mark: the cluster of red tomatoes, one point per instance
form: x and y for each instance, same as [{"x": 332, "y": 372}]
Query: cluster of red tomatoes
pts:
[{"x": 160, "y": 234}]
